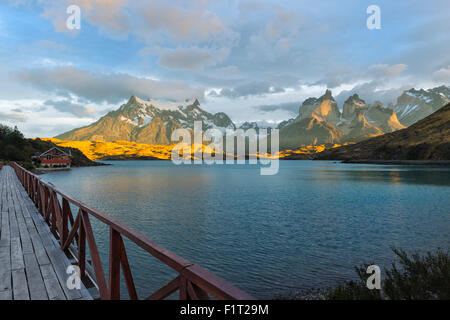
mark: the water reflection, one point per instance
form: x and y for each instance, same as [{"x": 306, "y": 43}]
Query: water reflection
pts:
[{"x": 431, "y": 176}]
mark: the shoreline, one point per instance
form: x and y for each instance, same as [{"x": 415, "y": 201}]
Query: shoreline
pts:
[
  {"x": 353, "y": 161},
  {"x": 400, "y": 162},
  {"x": 41, "y": 171}
]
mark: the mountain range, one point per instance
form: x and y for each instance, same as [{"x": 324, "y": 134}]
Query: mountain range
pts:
[
  {"x": 150, "y": 122},
  {"x": 427, "y": 139},
  {"x": 414, "y": 105},
  {"x": 319, "y": 120}
]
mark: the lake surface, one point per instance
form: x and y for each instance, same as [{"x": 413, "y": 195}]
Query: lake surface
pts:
[{"x": 307, "y": 226}]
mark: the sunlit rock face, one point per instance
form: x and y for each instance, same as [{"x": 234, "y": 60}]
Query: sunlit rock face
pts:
[
  {"x": 352, "y": 105},
  {"x": 321, "y": 122}
]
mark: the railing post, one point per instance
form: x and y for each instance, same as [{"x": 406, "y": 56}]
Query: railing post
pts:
[
  {"x": 41, "y": 199},
  {"x": 98, "y": 269},
  {"x": 114, "y": 264},
  {"x": 53, "y": 212},
  {"x": 127, "y": 272},
  {"x": 47, "y": 205},
  {"x": 183, "y": 288},
  {"x": 82, "y": 247},
  {"x": 65, "y": 221}
]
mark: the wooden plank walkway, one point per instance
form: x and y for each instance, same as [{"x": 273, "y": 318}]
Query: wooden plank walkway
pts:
[{"x": 32, "y": 265}]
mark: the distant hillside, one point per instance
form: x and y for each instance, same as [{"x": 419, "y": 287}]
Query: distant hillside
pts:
[
  {"x": 15, "y": 147},
  {"x": 428, "y": 139}
]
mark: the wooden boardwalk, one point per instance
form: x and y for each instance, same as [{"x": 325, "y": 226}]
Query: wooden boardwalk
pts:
[{"x": 32, "y": 265}]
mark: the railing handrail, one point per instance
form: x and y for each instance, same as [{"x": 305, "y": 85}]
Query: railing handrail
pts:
[{"x": 193, "y": 281}]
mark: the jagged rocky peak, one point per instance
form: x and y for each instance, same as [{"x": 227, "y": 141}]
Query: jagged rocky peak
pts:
[
  {"x": 196, "y": 103},
  {"x": 134, "y": 99},
  {"x": 360, "y": 128},
  {"x": 438, "y": 94},
  {"x": 434, "y": 97},
  {"x": 312, "y": 130},
  {"x": 414, "y": 105},
  {"x": 307, "y": 107},
  {"x": 385, "y": 118},
  {"x": 189, "y": 111},
  {"x": 328, "y": 109},
  {"x": 328, "y": 95},
  {"x": 376, "y": 111},
  {"x": 249, "y": 125},
  {"x": 324, "y": 107},
  {"x": 377, "y": 105},
  {"x": 351, "y": 105},
  {"x": 285, "y": 123},
  {"x": 149, "y": 121},
  {"x": 222, "y": 120}
]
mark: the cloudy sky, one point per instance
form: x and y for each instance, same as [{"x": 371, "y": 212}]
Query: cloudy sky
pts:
[{"x": 255, "y": 60}]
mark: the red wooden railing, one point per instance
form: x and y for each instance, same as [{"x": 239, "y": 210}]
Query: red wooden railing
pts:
[{"x": 193, "y": 282}]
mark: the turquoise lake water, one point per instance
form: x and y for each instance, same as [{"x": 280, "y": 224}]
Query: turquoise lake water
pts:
[{"x": 307, "y": 226}]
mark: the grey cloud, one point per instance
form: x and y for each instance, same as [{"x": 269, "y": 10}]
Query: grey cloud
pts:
[
  {"x": 248, "y": 89},
  {"x": 385, "y": 70},
  {"x": 288, "y": 106},
  {"x": 376, "y": 73},
  {"x": 12, "y": 117},
  {"x": 194, "y": 23},
  {"x": 67, "y": 106},
  {"x": 331, "y": 82},
  {"x": 147, "y": 20},
  {"x": 99, "y": 87},
  {"x": 194, "y": 58},
  {"x": 335, "y": 79},
  {"x": 442, "y": 75},
  {"x": 370, "y": 93}
]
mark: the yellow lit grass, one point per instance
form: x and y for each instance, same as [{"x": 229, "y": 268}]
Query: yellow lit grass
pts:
[{"x": 96, "y": 150}]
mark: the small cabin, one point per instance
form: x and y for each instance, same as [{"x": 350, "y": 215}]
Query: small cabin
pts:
[{"x": 54, "y": 158}]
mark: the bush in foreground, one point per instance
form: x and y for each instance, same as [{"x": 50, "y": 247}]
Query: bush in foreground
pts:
[{"x": 413, "y": 277}]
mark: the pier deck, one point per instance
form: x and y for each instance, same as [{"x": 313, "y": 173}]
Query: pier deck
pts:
[
  {"x": 32, "y": 264},
  {"x": 39, "y": 231}
]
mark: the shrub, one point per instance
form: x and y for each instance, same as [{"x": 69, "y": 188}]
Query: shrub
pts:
[{"x": 417, "y": 277}]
